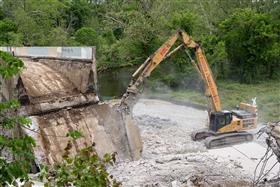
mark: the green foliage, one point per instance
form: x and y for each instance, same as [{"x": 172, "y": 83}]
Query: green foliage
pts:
[
  {"x": 58, "y": 37},
  {"x": 250, "y": 38},
  {"x": 9, "y": 65},
  {"x": 86, "y": 36},
  {"x": 1, "y": 13},
  {"x": 8, "y": 31},
  {"x": 74, "y": 134},
  {"x": 127, "y": 32},
  {"x": 16, "y": 151},
  {"x": 22, "y": 149},
  {"x": 77, "y": 13},
  {"x": 214, "y": 49},
  {"x": 185, "y": 21},
  {"x": 7, "y": 25},
  {"x": 82, "y": 170},
  {"x": 11, "y": 104}
]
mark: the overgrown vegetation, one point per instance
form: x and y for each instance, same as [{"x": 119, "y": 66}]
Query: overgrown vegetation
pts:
[
  {"x": 252, "y": 44},
  {"x": 81, "y": 170},
  {"x": 16, "y": 149},
  {"x": 241, "y": 38}
]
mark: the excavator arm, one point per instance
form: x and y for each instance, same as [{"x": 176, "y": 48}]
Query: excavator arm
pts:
[
  {"x": 225, "y": 127},
  {"x": 130, "y": 97}
]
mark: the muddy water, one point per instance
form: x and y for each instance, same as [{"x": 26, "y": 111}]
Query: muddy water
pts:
[{"x": 112, "y": 84}]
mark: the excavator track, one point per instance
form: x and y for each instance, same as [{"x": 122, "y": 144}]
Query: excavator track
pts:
[
  {"x": 202, "y": 134},
  {"x": 221, "y": 140}
]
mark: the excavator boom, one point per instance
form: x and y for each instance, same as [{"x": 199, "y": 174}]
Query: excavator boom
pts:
[
  {"x": 130, "y": 97},
  {"x": 207, "y": 76}
]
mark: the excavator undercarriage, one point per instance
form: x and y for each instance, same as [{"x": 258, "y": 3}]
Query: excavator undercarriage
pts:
[
  {"x": 217, "y": 135},
  {"x": 213, "y": 140}
]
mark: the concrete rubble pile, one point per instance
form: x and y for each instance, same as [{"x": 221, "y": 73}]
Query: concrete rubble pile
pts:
[
  {"x": 59, "y": 95},
  {"x": 170, "y": 157},
  {"x": 272, "y": 139}
]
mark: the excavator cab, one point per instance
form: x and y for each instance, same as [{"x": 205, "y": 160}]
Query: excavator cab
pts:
[{"x": 219, "y": 119}]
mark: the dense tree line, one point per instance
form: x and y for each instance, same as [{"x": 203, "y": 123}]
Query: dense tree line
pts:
[{"x": 240, "y": 37}]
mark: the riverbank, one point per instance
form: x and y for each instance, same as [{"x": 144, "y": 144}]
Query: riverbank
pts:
[{"x": 231, "y": 93}]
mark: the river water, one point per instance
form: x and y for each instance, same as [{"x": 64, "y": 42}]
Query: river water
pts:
[{"x": 113, "y": 83}]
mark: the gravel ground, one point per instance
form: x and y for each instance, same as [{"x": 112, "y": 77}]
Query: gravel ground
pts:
[{"x": 170, "y": 157}]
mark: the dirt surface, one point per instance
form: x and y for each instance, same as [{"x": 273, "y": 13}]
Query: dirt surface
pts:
[{"x": 170, "y": 157}]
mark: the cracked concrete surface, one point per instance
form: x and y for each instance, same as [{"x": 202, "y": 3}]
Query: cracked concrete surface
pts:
[
  {"x": 41, "y": 80},
  {"x": 60, "y": 101}
]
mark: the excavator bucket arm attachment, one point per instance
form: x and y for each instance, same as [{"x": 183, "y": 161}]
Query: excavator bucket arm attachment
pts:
[{"x": 130, "y": 97}]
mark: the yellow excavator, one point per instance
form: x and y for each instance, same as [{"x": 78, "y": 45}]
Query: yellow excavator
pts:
[{"x": 225, "y": 127}]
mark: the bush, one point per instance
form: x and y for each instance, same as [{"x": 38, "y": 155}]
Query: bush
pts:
[
  {"x": 250, "y": 41},
  {"x": 86, "y": 36},
  {"x": 16, "y": 150},
  {"x": 9, "y": 65},
  {"x": 83, "y": 170}
]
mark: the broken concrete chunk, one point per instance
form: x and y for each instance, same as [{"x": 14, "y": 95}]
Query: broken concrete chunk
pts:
[{"x": 60, "y": 96}]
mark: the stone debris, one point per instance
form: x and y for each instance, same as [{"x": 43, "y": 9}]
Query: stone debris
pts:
[{"x": 170, "y": 158}]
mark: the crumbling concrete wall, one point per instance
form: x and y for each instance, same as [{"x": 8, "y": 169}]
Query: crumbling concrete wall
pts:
[
  {"x": 46, "y": 88},
  {"x": 100, "y": 124},
  {"x": 59, "y": 95},
  {"x": 58, "y": 104},
  {"x": 8, "y": 87},
  {"x": 79, "y": 72},
  {"x": 76, "y": 63}
]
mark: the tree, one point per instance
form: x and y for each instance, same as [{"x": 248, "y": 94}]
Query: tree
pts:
[
  {"x": 249, "y": 39},
  {"x": 77, "y": 14},
  {"x": 185, "y": 21},
  {"x": 87, "y": 36},
  {"x": 16, "y": 149},
  {"x": 126, "y": 32},
  {"x": 58, "y": 37},
  {"x": 214, "y": 49},
  {"x": 8, "y": 33}
]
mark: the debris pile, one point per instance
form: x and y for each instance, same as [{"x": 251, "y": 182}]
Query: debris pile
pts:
[
  {"x": 263, "y": 171},
  {"x": 170, "y": 157}
]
